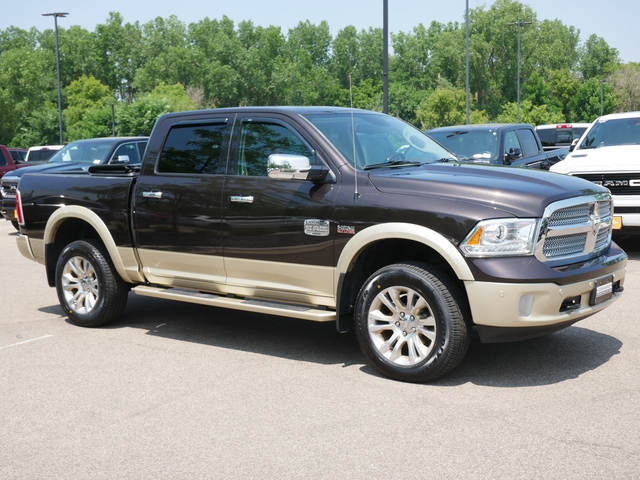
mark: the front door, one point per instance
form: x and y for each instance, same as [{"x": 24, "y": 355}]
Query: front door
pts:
[{"x": 278, "y": 234}]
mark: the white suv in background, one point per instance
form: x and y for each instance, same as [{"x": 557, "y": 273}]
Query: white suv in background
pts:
[
  {"x": 42, "y": 153},
  {"x": 608, "y": 154}
]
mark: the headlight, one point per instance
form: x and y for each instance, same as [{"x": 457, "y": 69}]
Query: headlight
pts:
[{"x": 500, "y": 237}]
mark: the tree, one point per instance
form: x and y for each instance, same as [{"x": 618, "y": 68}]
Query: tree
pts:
[
  {"x": 84, "y": 96},
  {"x": 586, "y": 104},
  {"x": 175, "y": 96},
  {"x": 40, "y": 127},
  {"x": 309, "y": 45},
  {"x": 27, "y": 84},
  {"x": 598, "y": 59},
  {"x": 139, "y": 117},
  {"x": 625, "y": 82},
  {"x": 529, "y": 113},
  {"x": 118, "y": 55},
  {"x": 169, "y": 58},
  {"x": 563, "y": 87},
  {"x": 447, "y": 106}
]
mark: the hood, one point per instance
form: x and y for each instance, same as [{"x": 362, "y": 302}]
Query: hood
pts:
[
  {"x": 58, "y": 167},
  {"x": 517, "y": 191},
  {"x": 617, "y": 158}
]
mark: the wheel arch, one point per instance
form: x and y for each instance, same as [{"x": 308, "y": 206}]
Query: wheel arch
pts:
[
  {"x": 71, "y": 223},
  {"x": 384, "y": 244}
]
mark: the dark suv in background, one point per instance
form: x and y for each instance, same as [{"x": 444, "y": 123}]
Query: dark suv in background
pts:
[
  {"x": 80, "y": 154},
  {"x": 493, "y": 143}
]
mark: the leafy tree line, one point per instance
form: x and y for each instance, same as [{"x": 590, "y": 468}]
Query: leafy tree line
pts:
[{"x": 134, "y": 72}]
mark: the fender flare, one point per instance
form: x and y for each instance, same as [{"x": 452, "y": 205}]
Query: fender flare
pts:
[
  {"x": 82, "y": 213},
  {"x": 405, "y": 231}
]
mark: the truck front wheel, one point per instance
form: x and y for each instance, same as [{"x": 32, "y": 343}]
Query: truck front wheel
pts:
[
  {"x": 90, "y": 290},
  {"x": 411, "y": 322}
]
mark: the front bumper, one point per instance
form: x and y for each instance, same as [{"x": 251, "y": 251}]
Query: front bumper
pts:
[
  {"x": 627, "y": 207},
  {"x": 8, "y": 209},
  {"x": 515, "y": 311}
]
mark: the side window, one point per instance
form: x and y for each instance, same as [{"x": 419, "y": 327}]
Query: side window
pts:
[
  {"x": 141, "y": 147},
  {"x": 258, "y": 140},
  {"x": 194, "y": 149},
  {"x": 3, "y": 161},
  {"x": 529, "y": 144},
  {"x": 547, "y": 136},
  {"x": 511, "y": 141},
  {"x": 564, "y": 136},
  {"x": 130, "y": 150}
]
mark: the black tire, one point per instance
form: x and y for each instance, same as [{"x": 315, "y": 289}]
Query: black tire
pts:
[
  {"x": 89, "y": 289},
  {"x": 412, "y": 322}
]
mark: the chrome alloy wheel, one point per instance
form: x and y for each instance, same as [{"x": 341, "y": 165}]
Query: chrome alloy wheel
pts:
[
  {"x": 80, "y": 285},
  {"x": 401, "y": 326}
]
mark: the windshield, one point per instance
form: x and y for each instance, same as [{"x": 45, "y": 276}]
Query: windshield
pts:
[
  {"x": 83, "y": 151},
  {"x": 380, "y": 140},
  {"x": 621, "y": 131},
  {"x": 469, "y": 145}
]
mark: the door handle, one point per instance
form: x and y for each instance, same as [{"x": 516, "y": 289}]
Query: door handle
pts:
[
  {"x": 241, "y": 198},
  {"x": 152, "y": 194}
]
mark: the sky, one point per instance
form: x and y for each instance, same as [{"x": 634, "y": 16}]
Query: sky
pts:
[{"x": 614, "y": 20}]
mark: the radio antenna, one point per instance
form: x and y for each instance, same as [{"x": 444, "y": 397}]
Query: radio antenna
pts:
[{"x": 353, "y": 140}]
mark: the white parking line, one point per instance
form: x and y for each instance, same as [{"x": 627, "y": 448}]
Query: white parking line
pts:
[{"x": 26, "y": 341}]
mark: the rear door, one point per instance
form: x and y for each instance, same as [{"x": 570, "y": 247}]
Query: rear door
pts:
[
  {"x": 177, "y": 204},
  {"x": 532, "y": 152},
  {"x": 5, "y": 166},
  {"x": 278, "y": 234}
]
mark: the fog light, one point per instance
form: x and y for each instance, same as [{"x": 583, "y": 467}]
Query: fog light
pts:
[{"x": 526, "y": 305}]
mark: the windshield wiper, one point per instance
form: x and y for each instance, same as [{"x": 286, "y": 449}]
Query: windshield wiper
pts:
[
  {"x": 392, "y": 163},
  {"x": 457, "y": 132}
]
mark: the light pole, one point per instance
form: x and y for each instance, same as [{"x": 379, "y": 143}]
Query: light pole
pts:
[
  {"x": 602, "y": 82},
  {"x": 113, "y": 118},
  {"x": 467, "y": 61},
  {"x": 519, "y": 24},
  {"x": 55, "y": 16},
  {"x": 385, "y": 56}
]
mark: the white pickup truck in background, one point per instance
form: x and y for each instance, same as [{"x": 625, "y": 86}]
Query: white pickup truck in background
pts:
[{"x": 608, "y": 154}]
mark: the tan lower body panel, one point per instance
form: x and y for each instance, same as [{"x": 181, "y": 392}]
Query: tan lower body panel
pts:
[
  {"x": 306, "y": 284},
  {"x": 532, "y": 304}
]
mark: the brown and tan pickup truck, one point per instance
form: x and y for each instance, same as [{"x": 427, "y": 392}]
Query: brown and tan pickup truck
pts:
[{"x": 330, "y": 215}]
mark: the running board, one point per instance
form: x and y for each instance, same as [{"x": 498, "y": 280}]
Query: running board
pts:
[{"x": 303, "y": 312}]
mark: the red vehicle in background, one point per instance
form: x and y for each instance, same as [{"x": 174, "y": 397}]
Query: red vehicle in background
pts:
[{"x": 12, "y": 159}]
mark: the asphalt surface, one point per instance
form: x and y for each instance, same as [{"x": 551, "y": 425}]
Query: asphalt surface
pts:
[{"x": 178, "y": 391}]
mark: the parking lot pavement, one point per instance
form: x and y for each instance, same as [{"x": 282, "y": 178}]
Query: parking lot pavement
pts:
[{"x": 185, "y": 391}]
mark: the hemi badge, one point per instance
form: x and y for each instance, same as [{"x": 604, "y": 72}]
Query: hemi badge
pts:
[
  {"x": 316, "y": 228},
  {"x": 350, "y": 230}
]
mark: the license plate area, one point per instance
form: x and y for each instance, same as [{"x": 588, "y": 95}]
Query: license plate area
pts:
[
  {"x": 602, "y": 291},
  {"x": 617, "y": 223}
]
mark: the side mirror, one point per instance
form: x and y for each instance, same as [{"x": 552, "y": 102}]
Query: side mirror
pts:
[
  {"x": 284, "y": 166},
  {"x": 573, "y": 145},
  {"x": 514, "y": 154}
]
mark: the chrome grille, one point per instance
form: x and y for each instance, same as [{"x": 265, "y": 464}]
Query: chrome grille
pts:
[
  {"x": 570, "y": 215},
  {"x": 575, "y": 229},
  {"x": 564, "y": 245},
  {"x": 8, "y": 188}
]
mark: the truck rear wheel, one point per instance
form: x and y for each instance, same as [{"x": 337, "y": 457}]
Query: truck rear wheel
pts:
[
  {"x": 89, "y": 289},
  {"x": 411, "y": 322}
]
